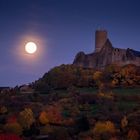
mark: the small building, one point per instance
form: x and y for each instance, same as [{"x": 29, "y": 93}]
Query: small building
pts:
[
  {"x": 26, "y": 89},
  {"x": 4, "y": 89}
]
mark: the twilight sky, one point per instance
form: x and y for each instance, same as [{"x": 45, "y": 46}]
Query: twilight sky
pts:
[{"x": 60, "y": 28}]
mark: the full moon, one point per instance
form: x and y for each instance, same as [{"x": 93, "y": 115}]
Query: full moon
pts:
[{"x": 30, "y": 47}]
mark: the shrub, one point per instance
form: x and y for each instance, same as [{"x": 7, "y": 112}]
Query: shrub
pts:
[
  {"x": 3, "y": 110},
  {"x": 102, "y": 127},
  {"x": 12, "y": 119},
  {"x": 98, "y": 77},
  {"x": 106, "y": 95},
  {"x": 133, "y": 135},
  {"x": 124, "y": 122},
  {"x": 43, "y": 119},
  {"x": 33, "y": 131},
  {"x": 59, "y": 134},
  {"x": 14, "y": 128},
  {"x": 47, "y": 129},
  {"x": 85, "y": 135},
  {"x": 9, "y": 137},
  {"x": 113, "y": 138}
]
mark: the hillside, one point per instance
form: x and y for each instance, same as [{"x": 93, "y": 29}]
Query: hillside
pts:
[{"x": 65, "y": 76}]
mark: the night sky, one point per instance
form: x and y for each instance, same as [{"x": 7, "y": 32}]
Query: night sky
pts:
[{"x": 60, "y": 28}]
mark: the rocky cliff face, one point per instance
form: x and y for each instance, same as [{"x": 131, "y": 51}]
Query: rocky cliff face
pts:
[{"x": 106, "y": 56}]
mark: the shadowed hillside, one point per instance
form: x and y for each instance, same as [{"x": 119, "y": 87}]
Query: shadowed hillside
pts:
[{"x": 65, "y": 76}]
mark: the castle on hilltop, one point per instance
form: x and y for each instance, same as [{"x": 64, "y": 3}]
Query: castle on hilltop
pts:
[{"x": 105, "y": 54}]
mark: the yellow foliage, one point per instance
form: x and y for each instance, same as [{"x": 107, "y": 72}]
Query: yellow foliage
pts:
[
  {"x": 43, "y": 118},
  {"x": 102, "y": 127},
  {"x": 97, "y": 75},
  {"x": 124, "y": 122},
  {"x": 13, "y": 128},
  {"x": 115, "y": 82},
  {"x": 26, "y": 118},
  {"x": 106, "y": 95}
]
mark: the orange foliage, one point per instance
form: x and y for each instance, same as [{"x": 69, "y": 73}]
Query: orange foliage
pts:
[
  {"x": 43, "y": 118},
  {"x": 107, "y": 126},
  {"x": 54, "y": 114}
]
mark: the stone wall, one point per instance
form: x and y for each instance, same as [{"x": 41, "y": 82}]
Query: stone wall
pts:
[
  {"x": 100, "y": 39},
  {"x": 105, "y": 54}
]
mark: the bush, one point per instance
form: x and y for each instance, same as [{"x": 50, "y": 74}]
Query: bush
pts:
[
  {"x": 124, "y": 122},
  {"x": 133, "y": 135},
  {"x": 3, "y": 110},
  {"x": 9, "y": 137},
  {"x": 14, "y": 128},
  {"x": 59, "y": 134},
  {"x": 103, "y": 127},
  {"x": 43, "y": 119},
  {"x": 106, "y": 95},
  {"x": 33, "y": 131},
  {"x": 47, "y": 129}
]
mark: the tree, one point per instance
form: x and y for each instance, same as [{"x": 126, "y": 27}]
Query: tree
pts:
[
  {"x": 43, "y": 119},
  {"x": 26, "y": 118},
  {"x": 54, "y": 114}
]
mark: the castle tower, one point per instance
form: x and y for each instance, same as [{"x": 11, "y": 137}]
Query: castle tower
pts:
[{"x": 100, "y": 39}]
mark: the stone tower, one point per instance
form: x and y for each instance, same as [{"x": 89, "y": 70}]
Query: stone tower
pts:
[{"x": 100, "y": 39}]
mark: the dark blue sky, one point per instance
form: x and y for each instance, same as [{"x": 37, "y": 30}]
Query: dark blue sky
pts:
[{"x": 61, "y": 28}]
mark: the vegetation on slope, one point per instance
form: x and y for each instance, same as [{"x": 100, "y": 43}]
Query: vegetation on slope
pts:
[{"x": 65, "y": 76}]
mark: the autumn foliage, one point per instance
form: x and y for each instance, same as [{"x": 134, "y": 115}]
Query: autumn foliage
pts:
[
  {"x": 14, "y": 128},
  {"x": 64, "y": 76},
  {"x": 43, "y": 118},
  {"x": 26, "y": 118},
  {"x": 102, "y": 127}
]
